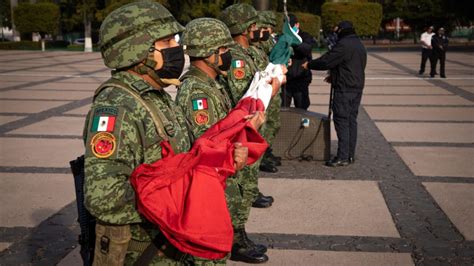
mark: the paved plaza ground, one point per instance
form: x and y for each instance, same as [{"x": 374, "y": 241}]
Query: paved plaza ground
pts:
[{"x": 408, "y": 199}]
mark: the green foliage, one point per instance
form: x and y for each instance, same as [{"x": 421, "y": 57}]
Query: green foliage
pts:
[
  {"x": 40, "y": 17},
  {"x": 366, "y": 17},
  {"x": 308, "y": 22},
  {"x": 5, "y": 14}
]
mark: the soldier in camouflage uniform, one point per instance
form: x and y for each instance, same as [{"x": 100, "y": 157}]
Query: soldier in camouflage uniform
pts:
[
  {"x": 203, "y": 99},
  {"x": 130, "y": 115},
  {"x": 241, "y": 20},
  {"x": 266, "y": 23}
]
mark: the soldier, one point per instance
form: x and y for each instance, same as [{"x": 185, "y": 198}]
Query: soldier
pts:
[
  {"x": 130, "y": 115},
  {"x": 203, "y": 99},
  {"x": 241, "y": 20},
  {"x": 266, "y": 22}
]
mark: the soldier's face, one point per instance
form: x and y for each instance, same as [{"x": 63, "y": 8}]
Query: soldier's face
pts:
[{"x": 163, "y": 43}]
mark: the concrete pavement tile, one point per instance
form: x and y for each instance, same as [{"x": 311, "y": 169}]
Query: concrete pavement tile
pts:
[
  {"x": 5, "y": 84},
  {"x": 4, "y": 245},
  {"x": 79, "y": 111},
  {"x": 420, "y": 113},
  {"x": 35, "y": 197},
  {"x": 438, "y": 161},
  {"x": 352, "y": 208},
  {"x": 33, "y": 152},
  {"x": 65, "y": 86},
  {"x": 427, "y": 132},
  {"x": 47, "y": 95},
  {"x": 72, "y": 259},
  {"x": 9, "y": 118},
  {"x": 336, "y": 258},
  {"x": 59, "y": 125},
  {"x": 25, "y": 106},
  {"x": 457, "y": 201},
  {"x": 405, "y": 90},
  {"x": 415, "y": 100}
]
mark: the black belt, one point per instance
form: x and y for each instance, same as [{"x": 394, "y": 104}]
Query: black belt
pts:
[{"x": 161, "y": 244}]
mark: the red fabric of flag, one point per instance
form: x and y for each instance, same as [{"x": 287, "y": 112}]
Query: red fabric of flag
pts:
[{"x": 184, "y": 193}]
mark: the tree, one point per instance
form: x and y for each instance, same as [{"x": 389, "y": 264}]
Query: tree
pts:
[{"x": 40, "y": 17}]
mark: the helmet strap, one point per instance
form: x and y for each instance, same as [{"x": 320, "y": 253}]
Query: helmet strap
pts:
[
  {"x": 147, "y": 67},
  {"x": 215, "y": 64}
]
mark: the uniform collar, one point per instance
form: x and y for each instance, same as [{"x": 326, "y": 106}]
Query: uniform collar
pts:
[{"x": 134, "y": 82}]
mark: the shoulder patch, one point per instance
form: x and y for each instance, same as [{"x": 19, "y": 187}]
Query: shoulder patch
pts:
[
  {"x": 239, "y": 73},
  {"x": 104, "y": 119},
  {"x": 201, "y": 117},
  {"x": 237, "y": 63},
  {"x": 103, "y": 144},
  {"x": 200, "y": 104}
]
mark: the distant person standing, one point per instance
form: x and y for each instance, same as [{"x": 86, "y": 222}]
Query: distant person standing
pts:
[
  {"x": 298, "y": 78},
  {"x": 440, "y": 45},
  {"x": 331, "y": 39},
  {"x": 427, "y": 49},
  {"x": 346, "y": 62}
]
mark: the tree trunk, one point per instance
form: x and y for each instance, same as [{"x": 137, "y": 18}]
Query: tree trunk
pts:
[{"x": 87, "y": 33}]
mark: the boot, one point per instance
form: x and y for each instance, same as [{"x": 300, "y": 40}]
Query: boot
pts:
[
  {"x": 267, "y": 165},
  {"x": 276, "y": 159},
  {"x": 262, "y": 201},
  {"x": 257, "y": 247},
  {"x": 242, "y": 251}
]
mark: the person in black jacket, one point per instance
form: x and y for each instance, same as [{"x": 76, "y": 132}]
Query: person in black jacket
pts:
[
  {"x": 346, "y": 62},
  {"x": 299, "y": 78},
  {"x": 439, "y": 42}
]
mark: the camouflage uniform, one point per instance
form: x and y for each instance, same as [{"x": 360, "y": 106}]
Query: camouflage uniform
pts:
[
  {"x": 267, "y": 19},
  {"x": 127, "y": 121},
  {"x": 238, "y": 18}
]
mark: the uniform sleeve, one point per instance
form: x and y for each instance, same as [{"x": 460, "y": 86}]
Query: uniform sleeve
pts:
[
  {"x": 199, "y": 109},
  {"x": 239, "y": 78},
  {"x": 330, "y": 59},
  {"x": 113, "y": 149}
]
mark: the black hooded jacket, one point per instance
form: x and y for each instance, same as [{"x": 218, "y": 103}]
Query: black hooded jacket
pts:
[
  {"x": 346, "y": 61},
  {"x": 296, "y": 73}
]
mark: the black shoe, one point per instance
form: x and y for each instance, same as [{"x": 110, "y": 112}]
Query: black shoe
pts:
[
  {"x": 421, "y": 72},
  {"x": 261, "y": 202},
  {"x": 432, "y": 75},
  {"x": 351, "y": 160},
  {"x": 266, "y": 166},
  {"x": 247, "y": 254},
  {"x": 267, "y": 198},
  {"x": 257, "y": 247},
  {"x": 275, "y": 159},
  {"x": 335, "y": 162},
  {"x": 443, "y": 76}
]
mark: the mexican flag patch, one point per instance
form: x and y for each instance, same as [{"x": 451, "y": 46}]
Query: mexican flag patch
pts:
[
  {"x": 103, "y": 124},
  {"x": 200, "y": 104},
  {"x": 238, "y": 63}
]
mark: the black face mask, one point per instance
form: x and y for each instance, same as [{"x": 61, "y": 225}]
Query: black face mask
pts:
[
  {"x": 173, "y": 63},
  {"x": 256, "y": 36},
  {"x": 266, "y": 36},
  {"x": 226, "y": 61}
]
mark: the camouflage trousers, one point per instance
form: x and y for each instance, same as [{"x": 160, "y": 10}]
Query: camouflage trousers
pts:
[
  {"x": 241, "y": 192},
  {"x": 273, "y": 123}
]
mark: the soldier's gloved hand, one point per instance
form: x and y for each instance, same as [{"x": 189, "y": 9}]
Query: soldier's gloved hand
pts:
[
  {"x": 241, "y": 154},
  {"x": 257, "y": 119}
]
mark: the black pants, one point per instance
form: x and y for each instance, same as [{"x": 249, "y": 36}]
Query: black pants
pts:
[
  {"x": 425, "y": 54},
  {"x": 345, "y": 109},
  {"x": 298, "y": 92},
  {"x": 441, "y": 56}
]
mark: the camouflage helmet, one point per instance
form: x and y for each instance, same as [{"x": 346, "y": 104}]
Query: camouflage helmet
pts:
[
  {"x": 266, "y": 19},
  {"x": 203, "y": 37},
  {"x": 127, "y": 33},
  {"x": 239, "y": 17}
]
